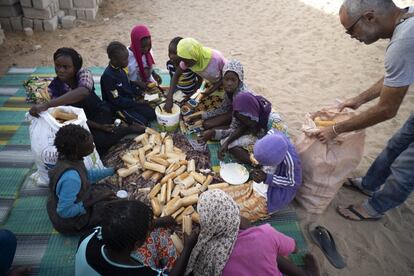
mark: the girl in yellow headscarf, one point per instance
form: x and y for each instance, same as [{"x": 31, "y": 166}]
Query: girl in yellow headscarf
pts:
[{"x": 206, "y": 62}]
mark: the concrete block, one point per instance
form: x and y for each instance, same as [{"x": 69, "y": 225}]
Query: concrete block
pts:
[
  {"x": 68, "y": 21},
  {"x": 8, "y": 11},
  {"x": 16, "y": 23},
  {"x": 37, "y": 13},
  {"x": 66, "y": 4},
  {"x": 72, "y": 12},
  {"x": 38, "y": 25},
  {"x": 80, "y": 14},
  {"x": 27, "y": 22},
  {"x": 41, "y": 4},
  {"x": 84, "y": 4},
  {"x": 91, "y": 14},
  {"x": 60, "y": 14},
  {"x": 8, "y": 2},
  {"x": 54, "y": 6},
  {"x": 5, "y": 23},
  {"x": 26, "y": 3},
  {"x": 50, "y": 25},
  {"x": 2, "y": 36}
]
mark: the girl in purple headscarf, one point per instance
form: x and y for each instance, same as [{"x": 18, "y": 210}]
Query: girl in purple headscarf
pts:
[{"x": 250, "y": 120}]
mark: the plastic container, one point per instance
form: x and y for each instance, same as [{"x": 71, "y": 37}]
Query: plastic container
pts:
[{"x": 168, "y": 122}]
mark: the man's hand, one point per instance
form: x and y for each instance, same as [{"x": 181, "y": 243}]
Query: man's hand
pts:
[
  {"x": 325, "y": 134},
  {"x": 351, "y": 103},
  {"x": 258, "y": 175},
  {"x": 209, "y": 135},
  {"x": 37, "y": 109},
  {"x": 222, "y": 151}
]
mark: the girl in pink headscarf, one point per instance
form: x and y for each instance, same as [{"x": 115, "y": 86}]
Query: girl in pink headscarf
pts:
[{"x": 140, "y": 60}]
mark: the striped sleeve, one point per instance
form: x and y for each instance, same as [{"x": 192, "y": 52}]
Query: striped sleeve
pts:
[{"x": 284, "y": 174}]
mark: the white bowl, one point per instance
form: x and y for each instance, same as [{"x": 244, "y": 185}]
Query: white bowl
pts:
[{"x": 234, "y": 173}]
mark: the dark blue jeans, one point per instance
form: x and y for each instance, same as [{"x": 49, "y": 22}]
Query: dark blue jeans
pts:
[
  {"x": 8, "y": 245},
  {"x": 393, "y": 170}
]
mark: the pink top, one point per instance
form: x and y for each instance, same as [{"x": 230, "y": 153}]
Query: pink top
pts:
[
  {"x": 213, "y": 71},
  {"x": 256, "y": 250}
]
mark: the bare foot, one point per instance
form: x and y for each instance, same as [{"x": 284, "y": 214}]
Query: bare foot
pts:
[
  {"x": 311, "y": 265},
  {"x": 356, "y": 212}
]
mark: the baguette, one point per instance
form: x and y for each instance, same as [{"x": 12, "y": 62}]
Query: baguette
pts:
[
  {"x": 172, "y": 206},
  {"x": 139, "y": 138},
  {"x": 187, "y": 211},
  {"x": 141, "y": 155},
  {"x": 169, "y": 145},
  {"x": 191, "y": 166},
  {"x": 170, "y": 186},
  {"x": 128, "y": 158},
  {"x": 194, "y": 190},
  {"x": 178, "y": 212},
  {"x": 155, "y": 190},
  {"x": 187, "y": 224},
  {"x": 200, "y": 178},
  {"x": 159, "y": 161},
  {"x": 163, "y": 194},
  {"x": 64, "y": 116},
  {"x": 218, "y": 186},
  {"x": 188, "y": 200},
  {"x": 124, "y": 172},
  {"x": 195, "y": 217},
  {"x": 207, "y": 182},
  {"x": 156, "y": 176},
  {"x": 147, "y": 174},
  {"x": 156, "y": 207},
  {"x": 154, "y": 167}
]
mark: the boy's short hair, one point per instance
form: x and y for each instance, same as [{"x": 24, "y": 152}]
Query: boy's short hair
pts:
[
  {"x": 69, "y": 137},
  {"x": 125, "y": 223},
  {"x": 114, "y": 48},
  {"x": 174, "y": 42}
]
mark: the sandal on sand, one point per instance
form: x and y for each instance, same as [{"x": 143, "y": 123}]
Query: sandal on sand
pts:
[
  {"x": 324, "y": 240},
  {"x": 350, "y": 183},
  {"x": 356, "y": 213}
]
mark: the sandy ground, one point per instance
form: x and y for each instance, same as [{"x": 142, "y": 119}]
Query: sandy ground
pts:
[{"x": 295, "y": 53}]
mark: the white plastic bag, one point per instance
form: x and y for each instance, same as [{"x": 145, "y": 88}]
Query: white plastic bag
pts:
[{"x": 42, "y": 136}]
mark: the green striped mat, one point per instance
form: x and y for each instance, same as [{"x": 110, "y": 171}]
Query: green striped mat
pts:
[
  {"x": 11, "y": 180},
  {"x": 286, "y": 222},
  {"x": 59, "y": 257},
  {"x": 29, "y": 216}
]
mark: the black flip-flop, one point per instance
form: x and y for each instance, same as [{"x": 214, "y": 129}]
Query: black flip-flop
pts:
[
  {"x": 350, "y": 184},
  {"x": 358, "y": 214},
  {"x": 324, "y": 240}
]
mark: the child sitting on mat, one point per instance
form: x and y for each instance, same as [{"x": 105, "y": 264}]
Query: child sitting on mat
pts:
[
  {"x": 74, "y": 205},
  {"x": 233, "y": 76},
  {"x": 119, "y": 92},
  {"x": 228, "y": 245},
  {"x": 275, "y": 184},
  {"x": 207, "y": 63},
  {"x": 188, "y": 82},
  {"x": 140, "y": 60},
  {"x": 128, "y": 226}
]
